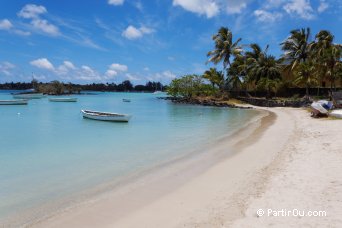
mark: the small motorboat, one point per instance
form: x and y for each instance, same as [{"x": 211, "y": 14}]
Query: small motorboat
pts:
[
  {"x": 63, "y": 99},
  {"x": 105, "y": 116},
  {"x": 336, "y": 113},
  {"x": 14, "y": 102},
  {"x": 126, "y": 100},
  {"x": 28, "y": 95},
  {"x": 321, "y": 107}
]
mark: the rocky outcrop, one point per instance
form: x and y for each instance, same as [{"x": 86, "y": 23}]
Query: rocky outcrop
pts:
[
  {"x": 203, "y": 101},
  {"x": 274, "y": 103}
]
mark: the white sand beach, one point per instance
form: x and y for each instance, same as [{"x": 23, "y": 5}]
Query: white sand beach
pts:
[{"x": 291, "y": 162}]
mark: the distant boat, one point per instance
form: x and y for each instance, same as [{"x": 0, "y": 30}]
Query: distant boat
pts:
[
  {"x": 105, "y": 116},
  {"x": 13, "y": 102},
  {"x": 126, "y": 100},
  {"x": 63, "y": 99},
  {"x": 28, "y": 95},
  {"x": 157, "y": 92}
]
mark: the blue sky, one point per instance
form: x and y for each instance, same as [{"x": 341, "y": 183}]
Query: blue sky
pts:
[{"x": 113, "y": 40}]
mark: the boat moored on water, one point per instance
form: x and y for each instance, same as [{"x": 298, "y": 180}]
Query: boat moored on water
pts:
[
  {"x": 14, "y": 102},
  {"x": 28, "y": 95},
  {"x": 126, "y": 100},
  {"x": 105, "y": 116},
  {"x": 63, "y": 99}
]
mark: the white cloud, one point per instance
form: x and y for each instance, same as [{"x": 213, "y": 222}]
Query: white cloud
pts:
[
  {"x": 114, "y": 69},
  {"x": 132, "y": 77},
  {"x": 235, "y": 6},
  {"x": 45, "y": 26},
  {"x": 88, "y": 74},
  {"x": 266, "y": 16},
  {"x": 65, "y": 68},
  {"x": 34, "y": 12},
  {"x": 209, "y": 8},
  {"x": 118, "y": 67},
  {"x": 110, "y": 74},
  {"x": 6, "y": 67},
  {"x": 274, "y": 3},
  {"x": 146, "y": 69},
  {"x": 69, "y": 65},
  {"x": 21, "y": 32},
  {"x": 5, "y": 24},
  {"x": 31, "y": 11},
  {"x": 301, "y": 8},
  {"x": 323, "y": 6},
  {"x": 165, "y": 75},
  {"x": 115, "y": 2},
  {"x": 43, "y": 63},
  {"x": 132, "y": 32},
  {"x": 139, "y": 5}
]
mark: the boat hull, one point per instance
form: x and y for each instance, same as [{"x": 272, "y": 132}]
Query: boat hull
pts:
[
  {"x": 28, "y": 96},
  {"x": 13, "y": 102},
  {"x": 63, "y": 99},
  {"x": 336, "y": 113},
  {"x": 105, "y": 116}
]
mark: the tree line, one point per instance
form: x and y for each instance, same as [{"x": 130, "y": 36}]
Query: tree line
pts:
[
  {"x": 57, "y": 87},
  {"x": 305, "y": 63}
]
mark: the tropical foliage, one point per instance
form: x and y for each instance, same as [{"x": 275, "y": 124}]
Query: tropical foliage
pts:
[{"x": 305, "y": 63}]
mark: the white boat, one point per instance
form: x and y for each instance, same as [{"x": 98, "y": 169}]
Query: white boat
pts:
[
  {"x": 13, "y": 102},
  {"x": 157, "y": 92},
  {"x": 105, "y": 116},
  {"x": 322, "y": 106},
  {"x": 126, "y": 100},
  {"x": 28, "y": 95},
  {"x": 336, "y": 113},
  {"x": 63, "y": 99}
]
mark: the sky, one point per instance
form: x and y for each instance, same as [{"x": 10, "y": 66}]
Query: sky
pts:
[{"x": 86, "y": 41}]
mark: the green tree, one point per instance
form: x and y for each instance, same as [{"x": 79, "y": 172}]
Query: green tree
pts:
[
  {"x": 306, "y": 75},
  {"x": 327, "y": 55},
  {"x": 214, "y": 77},
  {"x": 189, "y": 86},
  {"x": 297, "y": 47},
  {"x": 225, "y": 47},
  {"x": 268, "y": 69}
]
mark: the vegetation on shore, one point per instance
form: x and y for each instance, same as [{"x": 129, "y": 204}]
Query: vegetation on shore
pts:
[
  {"x": 59, "y": 88},
  {"x": 305, "y": 63}
]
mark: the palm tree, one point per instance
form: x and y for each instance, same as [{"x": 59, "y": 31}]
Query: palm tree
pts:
[
  {"x": 224, "y": 47},
  {"x": 305, "y": 75},
  {"x": 267, "y": 69},
  {"x": 236, "y": 73},
  {"x": 252, "y": 58},
  {"x": 214, "y": 77},
  {"x": 296, "y": 47},
  {"x": 327, "y": 55}
]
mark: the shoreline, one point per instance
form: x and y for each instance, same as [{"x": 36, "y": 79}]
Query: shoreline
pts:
[
  {"x": 278, "y": 164},
  {"x": 211, "y": 153},
  {"x": 135, "y": 180},
  {"x": 155, "y": 186}
]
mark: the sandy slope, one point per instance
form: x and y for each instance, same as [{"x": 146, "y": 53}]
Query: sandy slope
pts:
[{"x": 293, "y": 163}]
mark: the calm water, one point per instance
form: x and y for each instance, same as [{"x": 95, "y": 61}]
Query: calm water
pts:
[{"x": 48, "y": 151}]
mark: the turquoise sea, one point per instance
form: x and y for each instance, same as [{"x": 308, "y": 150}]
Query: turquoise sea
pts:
[{"x": 48, "y": 151}]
